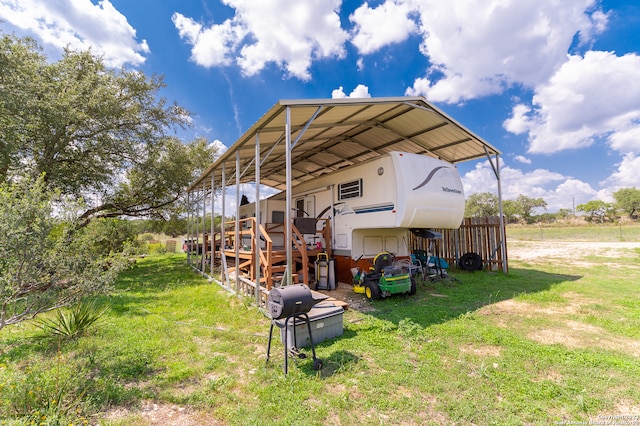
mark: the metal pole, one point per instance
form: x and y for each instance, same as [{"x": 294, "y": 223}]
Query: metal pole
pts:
[
  {"x": 196, "y": 232},
  {"x": 204, "y": 224},
  {"x": 332, "y": 222},
  {"x": 503, "y": 237},
  {"x": 238, "y": 241},
  {"x": 213, "y": 230},
  {"x": 258, "y": 221},
  {"x": 188, "y": 241},
  {"x": 223, "y": 237},
  {"x": 287, "y": 225},
  {"x": 503, "y": 243}
]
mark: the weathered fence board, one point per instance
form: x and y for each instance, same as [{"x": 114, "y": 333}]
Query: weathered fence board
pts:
[{"x": 480, "y": 235}]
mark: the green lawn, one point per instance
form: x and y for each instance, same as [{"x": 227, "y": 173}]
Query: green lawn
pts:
[{"x": 546, "y": 343}]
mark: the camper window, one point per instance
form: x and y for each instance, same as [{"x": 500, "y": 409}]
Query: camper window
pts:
[
  {"x": 351, "y": 189},
  {"x": 277, "y": 216}
]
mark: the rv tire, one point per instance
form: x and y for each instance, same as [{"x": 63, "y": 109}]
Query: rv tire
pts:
[{"x": 471, "y": 262}]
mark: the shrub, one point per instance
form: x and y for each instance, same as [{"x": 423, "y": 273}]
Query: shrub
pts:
[
  {"x": 46, "y": 262},
  {"x": 157, "y": 248},
  {"x": 146, "y": 237},
  {"x": 111, "y": 235},
  {"x": 72, "y": 322}
]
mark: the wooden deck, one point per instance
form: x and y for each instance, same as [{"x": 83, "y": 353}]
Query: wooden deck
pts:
[{"x": 239, "y": 261}]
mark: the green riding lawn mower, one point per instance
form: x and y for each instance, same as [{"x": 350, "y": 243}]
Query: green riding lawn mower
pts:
[{"x": 384, "y": 279}]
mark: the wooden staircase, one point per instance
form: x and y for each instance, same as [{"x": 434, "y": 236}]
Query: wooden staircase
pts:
[{"x": 273, "y": 258}]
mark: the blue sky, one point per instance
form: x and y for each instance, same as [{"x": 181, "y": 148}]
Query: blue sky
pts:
[{"x": 553, "y": 84}]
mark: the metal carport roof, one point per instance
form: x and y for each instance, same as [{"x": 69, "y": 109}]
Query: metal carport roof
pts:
[
  {"x": 329, "y": 134},
  {"x": 299, "y": 140}
]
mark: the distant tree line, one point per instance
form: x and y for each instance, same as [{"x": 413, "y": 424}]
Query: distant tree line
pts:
[{"x": 533, "y": 210}]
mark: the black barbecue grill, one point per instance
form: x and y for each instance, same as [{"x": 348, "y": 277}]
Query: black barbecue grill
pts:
[
  {"x": 290, "y": 300},
  {"x": 291, "y": 303}
]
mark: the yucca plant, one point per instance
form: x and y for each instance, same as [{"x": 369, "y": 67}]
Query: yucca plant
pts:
[{"x": 74, "y": 321}]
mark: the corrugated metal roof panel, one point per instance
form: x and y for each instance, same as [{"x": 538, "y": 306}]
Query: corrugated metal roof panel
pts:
[{"x": 333, "y": 133}]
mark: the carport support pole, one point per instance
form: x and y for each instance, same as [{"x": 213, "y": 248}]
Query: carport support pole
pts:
[
  {"x": 238, "y": 241},
  {"x": 213, "y": 230},
  {"x": 503, "y": 237},
  {"x": 188, "y": 242},
  {"x": 196, "y": 231},
  {"x": 223, "y": 237},
  {"x": 287, "y": 225},
  {"x": 204, "y": 226},
  {"x": 256, "y": 240},
  {"x": 503, "y": 242}
]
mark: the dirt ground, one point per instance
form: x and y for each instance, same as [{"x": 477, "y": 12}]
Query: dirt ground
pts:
[{"x": 569, "y": 252}]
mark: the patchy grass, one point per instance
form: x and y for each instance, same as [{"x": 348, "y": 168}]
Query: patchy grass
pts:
[{"x": 549, "y": 342}]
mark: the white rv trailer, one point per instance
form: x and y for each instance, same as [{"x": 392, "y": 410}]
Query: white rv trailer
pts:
[{"x": 375, "y": 203}]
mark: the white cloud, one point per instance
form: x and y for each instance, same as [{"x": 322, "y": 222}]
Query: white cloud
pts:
[
  {"x": 211, "y": 46},
  {"x": 519, "y": 122},
  {"x": 559, "y": 191},
  {"x": 588, "y": 98},
  {"x": 522, "y": 159},
  {"x": 361, "y": 91},
  {"x": 627, "y": 174},
  {"x": 569, "y": 194},
  {"x": 514, "y": 181},
  {"x": 79, "y": 25},
  {"x": 338, "y": 93},
  {"x": 385, "y": 24},
  {"x": 220, "y": 147},
  {"x": 480, "y": 47},
  {"x": 627, "y": 138},
  {"x": 288, "y": 34}
]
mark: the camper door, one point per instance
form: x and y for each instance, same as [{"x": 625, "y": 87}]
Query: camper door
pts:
[{"x": 306, "y": 206}]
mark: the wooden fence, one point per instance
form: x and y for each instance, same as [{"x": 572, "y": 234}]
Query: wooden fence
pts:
[{"x": 480, "y": 235}]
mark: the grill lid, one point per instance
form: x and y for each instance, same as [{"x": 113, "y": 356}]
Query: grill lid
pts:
[{"x": 289, "y": 300}]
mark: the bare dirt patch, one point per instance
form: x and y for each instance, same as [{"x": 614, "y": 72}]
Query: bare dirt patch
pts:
[
  {"x": 577, "y": 335},
  {"x": 563, "y": 330},
  {"x": 344, "y": 292},
  {"x": 154, "y": 413},
  {"x": 482, "y": 350}
]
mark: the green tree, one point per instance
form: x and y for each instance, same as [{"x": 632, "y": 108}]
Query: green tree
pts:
[
  {"x": 481, "y": 204},
  {"x": 153, "y": 185},
  {"x": 45, "y": 263},
  {"x": 93, "y": 130},
  {"x": 527, "y": 205},
  {"x": 595, "y": 210},
  {"x": 19, "y": 59},
  {"x": 175, "y": 226},
  {"x": 628, "y": 200},
  {"x": 510, "y": 211},
  {"x": 111, "y": 235}
]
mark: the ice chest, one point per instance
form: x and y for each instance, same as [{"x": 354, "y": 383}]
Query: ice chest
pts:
[{"x": 325, "y": 320}]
